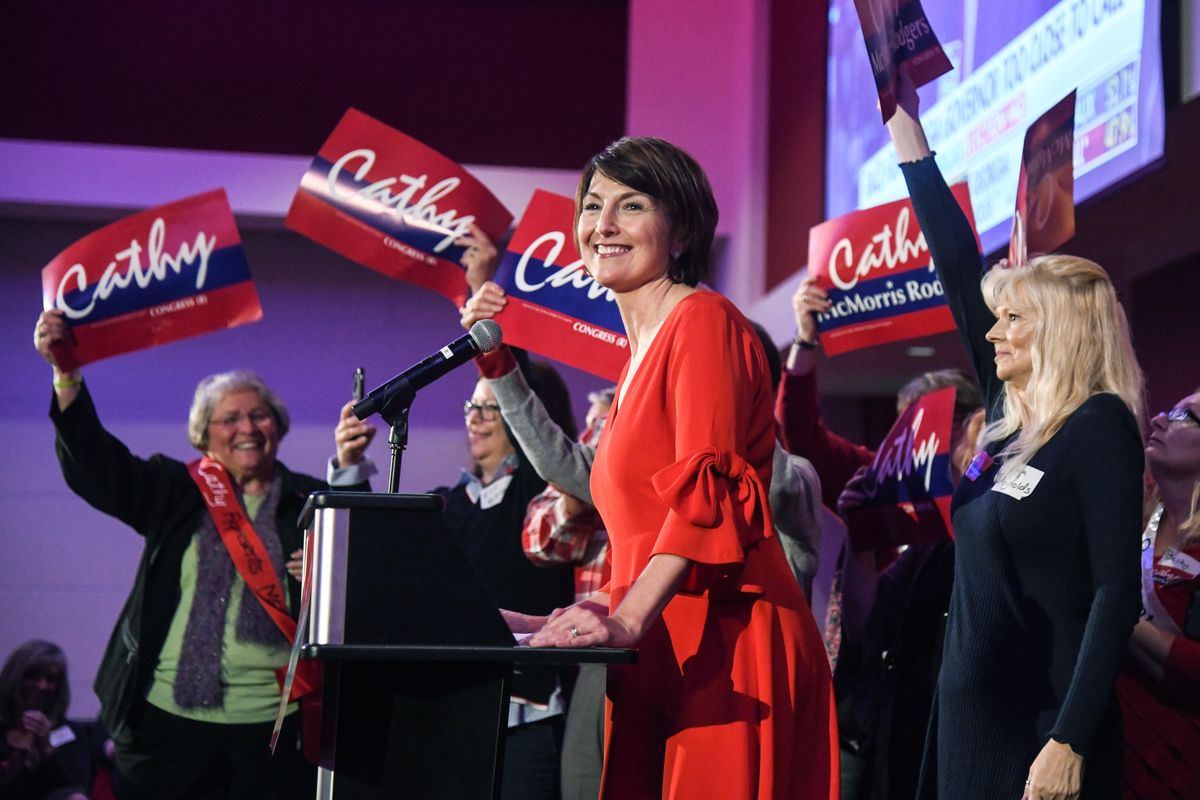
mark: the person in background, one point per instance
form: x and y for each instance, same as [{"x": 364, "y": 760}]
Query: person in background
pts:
[
  {"x": 562, "y": 529},
  {"x": 730, "y": 696},
  {"x": 485, "y": 511},
  {"x": 188, "y": 684},
  {"x": 1045, "y": 568},
  {"x": 1159, "y": 684},
  {"x": 887, "y": 611},
  {"x": 42, "y": 756}
]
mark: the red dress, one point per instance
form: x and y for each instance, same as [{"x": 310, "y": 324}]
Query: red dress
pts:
[{"x": 731, "y": 695}]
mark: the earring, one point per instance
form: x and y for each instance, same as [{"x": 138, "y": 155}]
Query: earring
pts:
[{"x": 675, "y": 254}]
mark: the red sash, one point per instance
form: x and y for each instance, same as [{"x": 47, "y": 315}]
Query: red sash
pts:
[{"x": 252, "y": 562}]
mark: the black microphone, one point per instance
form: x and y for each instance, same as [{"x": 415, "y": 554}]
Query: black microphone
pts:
[{"x": 484, "y": 337}]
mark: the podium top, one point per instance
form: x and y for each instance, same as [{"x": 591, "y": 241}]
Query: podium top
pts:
[
  {"x": 372, "y": 500},
  {"x": 544, "y": 656}
]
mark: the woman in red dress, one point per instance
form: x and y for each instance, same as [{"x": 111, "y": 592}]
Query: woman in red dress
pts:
[{"x": 731, "y": 694}]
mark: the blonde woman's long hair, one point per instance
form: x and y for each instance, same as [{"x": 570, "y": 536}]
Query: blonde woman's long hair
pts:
[{"x": 1081, "y": 347}]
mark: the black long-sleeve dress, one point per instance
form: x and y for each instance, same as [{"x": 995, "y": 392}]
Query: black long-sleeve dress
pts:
[{"x": 1046, "y": 587}]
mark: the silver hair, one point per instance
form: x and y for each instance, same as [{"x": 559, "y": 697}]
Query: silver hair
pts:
[{"x": 211, "y": 389}]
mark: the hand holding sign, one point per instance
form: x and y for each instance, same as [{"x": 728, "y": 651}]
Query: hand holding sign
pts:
[
  {"x": 51, "y": 334},
  {"x": 809, "y": 300},
  {"x": 479, "y": 258},
  {"x": 484, "y": 304},
  {"x": 900, "y": 41}
]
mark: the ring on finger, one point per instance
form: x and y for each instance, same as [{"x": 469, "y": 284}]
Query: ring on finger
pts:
[{"x": 574, "y": 632}]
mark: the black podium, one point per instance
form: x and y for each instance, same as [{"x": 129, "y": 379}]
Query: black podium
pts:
[{"x": 417, "y": 658}]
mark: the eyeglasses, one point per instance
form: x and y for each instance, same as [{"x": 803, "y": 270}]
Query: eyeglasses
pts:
[
  {"x": 257, "y": 417},
  {"x": 488, "y": 412},
  {"x": 1183, "y": 414}
]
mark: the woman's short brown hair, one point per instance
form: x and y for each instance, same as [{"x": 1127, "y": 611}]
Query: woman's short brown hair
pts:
[{"x": 669, "y": 176}]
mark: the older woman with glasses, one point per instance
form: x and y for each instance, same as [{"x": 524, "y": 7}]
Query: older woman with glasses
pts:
[
  {"x": 188, "y": 685},
  {"x": 485, "y": 512},
  {"x": 1159, "y": 686}
]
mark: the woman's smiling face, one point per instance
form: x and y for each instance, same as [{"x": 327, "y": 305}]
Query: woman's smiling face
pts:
[{"x": 624, "y": 235}]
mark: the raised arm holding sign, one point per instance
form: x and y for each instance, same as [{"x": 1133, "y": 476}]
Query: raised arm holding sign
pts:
[{"x": 899, "y": 39}]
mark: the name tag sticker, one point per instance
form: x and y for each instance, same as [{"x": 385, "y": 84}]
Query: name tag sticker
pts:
[
  {"x": 1180, "y": 562},
  {"x": 1021, "y": 486},
  {"x": 60, "y": 736}
]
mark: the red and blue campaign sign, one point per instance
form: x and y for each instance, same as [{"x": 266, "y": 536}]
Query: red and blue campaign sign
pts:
[
  {"x": 389, "y": 202},
  {"x": 555, "y": 308},
  {"x": 876, "y": 267},
  {"x": 908, "y": 485},
  {"x": 899, "y": 38},
  {"x": 160, "y": 275}
]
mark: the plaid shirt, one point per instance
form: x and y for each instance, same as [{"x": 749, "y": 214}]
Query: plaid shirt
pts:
[{"x": 552, "y": 537}]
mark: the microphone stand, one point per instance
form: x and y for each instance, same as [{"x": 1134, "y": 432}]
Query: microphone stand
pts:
[{"x": 395, "y": 413}]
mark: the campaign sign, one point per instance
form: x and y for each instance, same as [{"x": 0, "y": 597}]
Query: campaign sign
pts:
[
  {"x": 160, "y": 275},
  {"x": 876, "y": 267},
  {"x": 555, "y": 307},
  {"x": 1045, "y": 215},
  {"x": 908, "y": 485},
  {"x": 388, "y": 202},
  {"x": 899, "y": 37}
]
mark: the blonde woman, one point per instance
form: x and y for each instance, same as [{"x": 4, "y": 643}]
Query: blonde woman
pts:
[
  {"x": 1159, "y": 686},
  {"x": 1046, "y": 587}
]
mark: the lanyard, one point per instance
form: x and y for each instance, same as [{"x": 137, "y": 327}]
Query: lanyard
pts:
[{"x": 1152, "y": 607}]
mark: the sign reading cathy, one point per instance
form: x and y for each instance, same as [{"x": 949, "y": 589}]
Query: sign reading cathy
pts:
[
  {"x": 555, "y": 308},
  {"x": 908, "y": 485},
  {"x": 899, "y": 37},
  {"x": 160, "y": 275},
  {"x": 388, "y": 202},
  {"x": 1045, "y": 216},
  {"x": 876, "y": 267}
]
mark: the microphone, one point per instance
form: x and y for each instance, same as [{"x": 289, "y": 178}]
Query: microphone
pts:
[{"x": 484, "y": 337}]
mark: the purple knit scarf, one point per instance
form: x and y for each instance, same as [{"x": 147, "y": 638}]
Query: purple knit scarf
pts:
[{"x": 198, "y": 680}]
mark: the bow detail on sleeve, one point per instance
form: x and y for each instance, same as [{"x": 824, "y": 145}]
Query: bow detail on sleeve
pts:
[{"x": 718, "y": 507}]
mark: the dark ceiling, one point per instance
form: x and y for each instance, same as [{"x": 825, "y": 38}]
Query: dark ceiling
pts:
[{"x": 535, "y": 83}]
